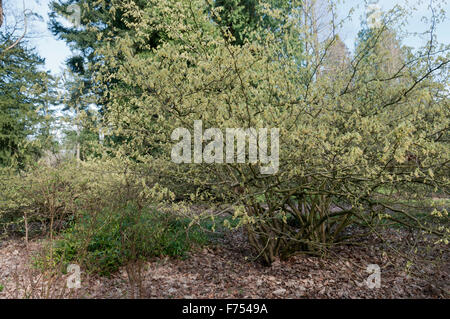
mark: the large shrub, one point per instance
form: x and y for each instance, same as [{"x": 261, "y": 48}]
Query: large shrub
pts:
[{"x": 349, "y": 128}]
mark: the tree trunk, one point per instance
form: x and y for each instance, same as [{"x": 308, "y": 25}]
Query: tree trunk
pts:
[
  {"x": 1, "y": 13},
  {"x": 78, "y": 136}
]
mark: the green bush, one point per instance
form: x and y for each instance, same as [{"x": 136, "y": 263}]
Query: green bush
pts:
[
  {"x": 105, "y": 241},
  {"x": 44, "y": 195}
]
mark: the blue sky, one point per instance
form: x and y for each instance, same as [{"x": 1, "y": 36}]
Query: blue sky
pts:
[
  {"x": 415, "y": 23},
  {"x": 56, "y": 52}
]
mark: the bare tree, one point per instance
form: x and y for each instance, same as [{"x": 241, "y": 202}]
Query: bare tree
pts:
[{"x": 25, "y": 26}]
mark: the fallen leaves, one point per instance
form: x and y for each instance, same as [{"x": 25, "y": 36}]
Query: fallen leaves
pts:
[{"x": 224, "y": 272}]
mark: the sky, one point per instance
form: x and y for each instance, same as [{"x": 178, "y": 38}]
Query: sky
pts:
[
  {"x": 53, "y": 50},
  {"x": 415, "y": 23},
  {"x": 56, "y": 51}
]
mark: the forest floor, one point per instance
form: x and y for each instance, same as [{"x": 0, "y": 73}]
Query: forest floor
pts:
[{"x": 225, "y": 270}]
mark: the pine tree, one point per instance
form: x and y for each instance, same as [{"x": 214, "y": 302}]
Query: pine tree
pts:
[{"x": 26, "y": 96}]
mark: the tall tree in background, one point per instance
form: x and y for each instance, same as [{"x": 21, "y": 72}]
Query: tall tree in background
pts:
[
  {"x": 98, "y": 20},
  {"x": 26, "y": 96},
  {"x": 389, "y": 48},
  {"x": 82, "y": 120},
  {"x": 238, "y": 17},
  {"x": 242, "y": 17},
  {"x": 1, "y": 13}
]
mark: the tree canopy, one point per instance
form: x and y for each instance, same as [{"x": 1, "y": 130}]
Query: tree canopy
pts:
[{"x": 26, "y": 96}]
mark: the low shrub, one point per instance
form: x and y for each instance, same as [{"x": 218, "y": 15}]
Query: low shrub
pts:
[{"x": 105, "y": 241}]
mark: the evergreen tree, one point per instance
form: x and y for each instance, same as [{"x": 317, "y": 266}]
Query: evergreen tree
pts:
[
  {"x": 26, "y": 97},
  {"x": 242, "y": 17}
]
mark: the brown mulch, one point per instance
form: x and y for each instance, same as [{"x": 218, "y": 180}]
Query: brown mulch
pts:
[{"x": 226, "y": 270}]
